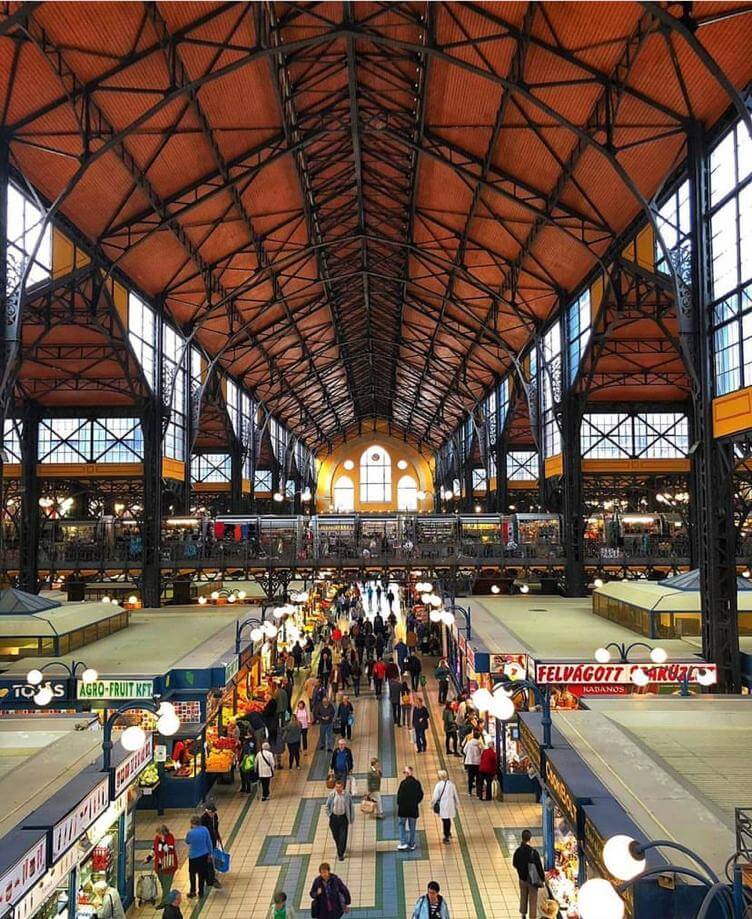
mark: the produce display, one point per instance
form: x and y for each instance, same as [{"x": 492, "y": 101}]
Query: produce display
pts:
[
  {"x": 220, "y": 760},
  {"x": 149, "y": 777},
  {"x": 562, "y": 878}
]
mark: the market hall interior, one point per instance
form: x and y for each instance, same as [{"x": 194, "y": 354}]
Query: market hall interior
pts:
[{"x": 375, "y": 459}]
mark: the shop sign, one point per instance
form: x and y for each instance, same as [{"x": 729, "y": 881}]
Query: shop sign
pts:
[
  {"x": 467, "y": 650},
  {"x": 23, "y": 875},
  {"x": 588, "y": 673},
  {"x": 56, "y": 877},
  {"x": 530, "y": 745},
  {"x": 598, "y": 689},
  {"x": 14, "y": 692},
  {"x": 500, "y": 662},
  {"x": 132, "y": 765},
  {"x": 115, "y": 689},
  {"x": 558, "y": 788},
  {"x": 231, "y": 669},
  {"x": 67, "y": 831}
]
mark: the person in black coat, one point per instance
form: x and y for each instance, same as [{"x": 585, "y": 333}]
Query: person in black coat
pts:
[
  {"x": 172, "y": 909},
  {"x": 414, "y": 668},
  {"x": 409, "y": 796}
]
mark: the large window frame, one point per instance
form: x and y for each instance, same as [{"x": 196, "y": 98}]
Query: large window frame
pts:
[
  {"x": 729, "y": 219},
  {"x": 375, "y": 476},
  {"x": 211, "y": 467},
  {"x": 175, "y": 375},
  {"x": 142, "y": 334},
  {"x": 86, "y": 440},
  {"x": 23, "y": 229},
  {"x": 343, "y": 494}
]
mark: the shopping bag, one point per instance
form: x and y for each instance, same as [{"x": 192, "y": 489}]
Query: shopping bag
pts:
[
  {"x": 221, "y": 860},
  {"x": 353, "y": 786},
  {"x": 367, "y": 806}
]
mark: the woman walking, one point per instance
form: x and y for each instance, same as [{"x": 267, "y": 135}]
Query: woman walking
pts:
[
  {"x": 291, "y": 736},
  {"x": 330, "y": 896},
  {"x": 406, "y": 700},
  {"x": 265, "y": 767},
  {"x": 373, "y": 786},
  {"x": 165, "y": 861},
  {"x": 445, "y": 802},
  {"x": 301, "y": 713},
  {"x": 450, "y": 728}
]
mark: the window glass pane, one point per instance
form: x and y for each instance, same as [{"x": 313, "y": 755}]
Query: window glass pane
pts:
[
  {"x": 262, "y": 480},
  {"x": 12, "y": 440},
  {"x": 407, "y": 493},
  {"x": 522, "y": 466},
  {"x": 344, "y": 494},
  {"x": 375, "y": 476},
  {"x": 722, "y": 169},
  {"x": 211, "y": 467},
  {"x": 24, "y": 230},
  {"x": 142, "y": 333}
]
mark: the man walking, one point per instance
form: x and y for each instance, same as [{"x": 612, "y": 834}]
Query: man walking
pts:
[
  {"x": 420, "y": 723},
  {"x": 341, "y": 814},
  {"x": 442, "y": 674},
  {"x": 527, "y": 862},
  {"x": 210, "y": 819},
  {"x": 342, "y": 761},
  {"x": 409, "y": 796},
  {"x": 395, "y": 698},
  {"x": 414, "y": 668},
  {"x": 325, "y": 716},
  {"x": 379, "y": 672}
]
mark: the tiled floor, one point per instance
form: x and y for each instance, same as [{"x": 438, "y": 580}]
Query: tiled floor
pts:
[{"x": 279, "y": 844}]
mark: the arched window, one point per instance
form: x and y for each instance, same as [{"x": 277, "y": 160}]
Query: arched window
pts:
[
  {"x": 407, "y": 494},
  {"x": 344, "y": 494},
  {"x": 375, "y": 476}
]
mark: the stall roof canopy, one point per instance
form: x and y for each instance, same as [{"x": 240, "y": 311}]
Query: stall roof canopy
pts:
[
  {"x": 366, "y": 211},
  {"x": 690, "y": 580},
  {"x": 658, "y": 596},
  {"x": 14, "y": 602},
  {"x": 57, "y": 619}
]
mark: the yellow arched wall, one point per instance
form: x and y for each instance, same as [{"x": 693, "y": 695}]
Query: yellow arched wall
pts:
[{"x": 331, "y": 467}]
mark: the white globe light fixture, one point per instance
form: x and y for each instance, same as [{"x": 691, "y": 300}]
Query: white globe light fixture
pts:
[
  {"x": 306, "y": 495},
  {"x": 133, "y": 599},
  {"x": 402, "y": 464},
  {"x": 639, "y": 677},
  {"x": 598, "y": 582},
  {"x": 165, "y": 708},
  {"x": 435, "y": 601},
  {"x": 105, "y": 599},
  {"x": 270, "y": 630},
  {"x": 43, "y": 696},
  {"x": 602, "y": 655},
  {"x": 436, "y": 615},
  {"x": 658, "y": 655},
  {"x": 168, "y": 724},
  {"x": 231, "y": 598},
  {"x": 133, "y": 738},
  {"x": 448, "y": 494},
  {"x": 89, "y": 676},
  {"x": 202, "y": 600},
  {"x": 620, "y": 858},
  {"x": 349, "y": 465},
  {"x": 599, "y": 900},
  {"x": 495, "y": 589},
  {"x": 425, "y": 598},
  {"x": 448, "y": 617},
  {"x": 256, "y": 634},
  {"x": 278, "y": 497},
  {"x": 241, "y": 595},
  {"x": 34, "y": 677},
  {"x": 482, "y": 699},
  {"x": 524, "y": 589},
  {"x": 279, "y": 612},
  {"x": 215, "y": 595},
  {"x": 502, "y": 706}
]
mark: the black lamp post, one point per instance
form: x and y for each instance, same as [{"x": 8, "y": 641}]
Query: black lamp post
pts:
[
  {"x": 149, "y": 705},
  {"x": 35, "y": 677}
]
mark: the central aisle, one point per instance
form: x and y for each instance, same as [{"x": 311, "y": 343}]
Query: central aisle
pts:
[{"x": 278, "y": 844}]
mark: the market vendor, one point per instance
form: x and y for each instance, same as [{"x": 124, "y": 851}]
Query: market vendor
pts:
[{"x": 182, "y": 751}]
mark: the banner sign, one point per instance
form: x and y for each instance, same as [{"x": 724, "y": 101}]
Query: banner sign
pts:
[
  {"x": 115, "y": 689},
  {"x": 23, "y": 875},
  {"x": 67, "y": 831},
  {"x": 15, "y": 693},
  {"x": 132, "y": 765},
  {"x": 587, "y": 672},
  {"x": 231, "y": 669}
]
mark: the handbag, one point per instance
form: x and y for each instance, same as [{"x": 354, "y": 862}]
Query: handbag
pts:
[
  {"x": 330, "y": 780},
  {"x": 533, "y": 875},
  {"x": 367, "y": 806},
  {"x": 221, "y": 860},
  {"x": 316, "y": 908},
  {"x": 437, "y": 805},
  {"x": 405, "y": 698}
]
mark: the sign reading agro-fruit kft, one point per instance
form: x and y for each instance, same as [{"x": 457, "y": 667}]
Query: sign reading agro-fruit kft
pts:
[{"x": 115, "y": 689}]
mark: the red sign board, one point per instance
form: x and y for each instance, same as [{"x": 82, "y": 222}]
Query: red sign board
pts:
[{"x": 589, "y": 673}]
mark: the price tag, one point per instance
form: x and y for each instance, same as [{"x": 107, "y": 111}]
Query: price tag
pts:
[{"x": 160, "y": 753}]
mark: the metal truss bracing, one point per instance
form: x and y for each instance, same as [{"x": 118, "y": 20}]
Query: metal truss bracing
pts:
[{"x": 363, "y": 211}]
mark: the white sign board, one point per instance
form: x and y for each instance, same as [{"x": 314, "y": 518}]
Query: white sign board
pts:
[
  {"x": 23, "y": 875},
  {"x": 115, "y": 689},
  {"x": 587, "y": 672},
  {"x": 67, "y": 831},
  {"x": 132, "y": 765}
]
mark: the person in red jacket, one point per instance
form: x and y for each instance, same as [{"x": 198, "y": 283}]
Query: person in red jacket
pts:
[
  {"x": 487, "y": 771},
  {"x": 379, "y": 672},
  {"x": 165, "y": 862}
]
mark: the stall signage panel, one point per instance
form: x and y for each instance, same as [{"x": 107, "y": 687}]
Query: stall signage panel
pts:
[
  {"x": 67, "y": 831},
  {"x": 587, "y": 672},
  {"x": 500, "y": 662},
  {"x": 558, "y": 788},
  {"x": 530, "y": 745},
  {"x": 115, "y": 689},
  {"x": 23, "y": 875},
  {"x": 134, "y": 764},
  {"x": 41, "y": 892},
  {"x": 231, "y": 669},
  {"x": 14, "y": 692}
]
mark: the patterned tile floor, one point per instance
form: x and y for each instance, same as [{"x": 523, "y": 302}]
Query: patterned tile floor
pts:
[{"x": 279, "y": 844}]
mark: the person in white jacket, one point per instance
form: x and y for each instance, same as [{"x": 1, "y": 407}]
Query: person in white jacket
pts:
[
  {"x": 473, "y": 750},
  {"x": 445, "y": 795},
  {"x": 265, "y": 768}
]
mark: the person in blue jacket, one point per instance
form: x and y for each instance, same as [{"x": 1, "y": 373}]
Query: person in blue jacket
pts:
[
  {"x": 431, "y": 905},
  {"x": 199, "y": 844}
]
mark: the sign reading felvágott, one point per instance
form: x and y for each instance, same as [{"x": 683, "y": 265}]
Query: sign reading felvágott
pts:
[
  {"x": 115, "y": 689},
  {"x": 67, "y": 831},
  {"x": 23, "y": 875},
  {"x": 132, "y": 765},
  {"x": 587, "y": 673}
]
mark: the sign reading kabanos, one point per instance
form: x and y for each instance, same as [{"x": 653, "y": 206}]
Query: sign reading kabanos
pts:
[{"x": 586, "y": 672}]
